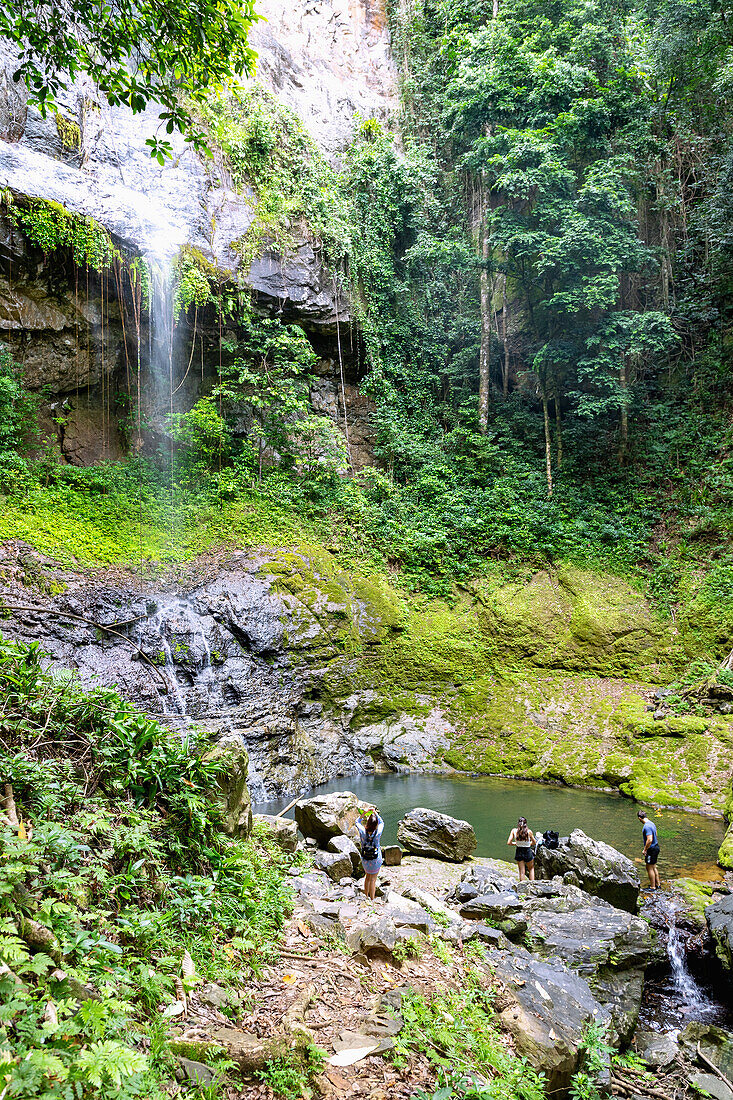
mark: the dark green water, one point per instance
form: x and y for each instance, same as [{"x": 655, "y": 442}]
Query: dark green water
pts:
[{"x": 689, "y": 842}]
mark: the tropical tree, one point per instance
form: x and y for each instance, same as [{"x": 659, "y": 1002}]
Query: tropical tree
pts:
[{"x": 167, "y": 52}]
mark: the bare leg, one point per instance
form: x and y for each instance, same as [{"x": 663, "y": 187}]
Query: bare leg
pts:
[
  {"x": 530, "y": 871},
  {"x": 651, "y": 874},
  {"x": 368, "y": 885},
  {"x": 657, "y": 883},
  {"x": 373, "y": 885},
  {"x": 520, "y": 865}
]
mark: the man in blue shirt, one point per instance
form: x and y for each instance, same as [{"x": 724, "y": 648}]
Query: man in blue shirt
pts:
[{"x": 651, "y": 848}]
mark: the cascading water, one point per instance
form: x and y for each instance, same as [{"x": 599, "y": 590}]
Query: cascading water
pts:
[
  {"x": 161, "y": 333},
  {"x": 174, "y": 638},
  {"x": 677, "y": 996}
]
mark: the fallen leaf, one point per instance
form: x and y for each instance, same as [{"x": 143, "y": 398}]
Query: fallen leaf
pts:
[
  {"x": 176, "y": 1009},
  {"x": 303, "y": 929},
  {"x": 290, "y": 979},
  {"x": 350, "y": 1056},
  {"x": 188, "y": 967},
  {"x": 337, "y": 1079}
]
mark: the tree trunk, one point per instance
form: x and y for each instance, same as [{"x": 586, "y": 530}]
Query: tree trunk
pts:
[
  {"x": 624, "y": 434},
  {"x": 558, "y": 426},
  {"x": 548, "y": 442},
  {"x": 505, "y": 358},
  {"x": 484, "y": 360}
]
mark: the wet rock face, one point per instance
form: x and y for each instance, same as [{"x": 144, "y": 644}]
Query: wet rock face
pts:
[
  {"x": 429, "y": 833},
  {"x": 596, "y": 867},
  {"x": 609, "y": 948},
  {"x": 255, "y": 655},
  {"x": 719, "y": 917}
]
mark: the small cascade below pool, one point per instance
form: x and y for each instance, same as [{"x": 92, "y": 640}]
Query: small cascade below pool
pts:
[{"x": 684, "y": 990}]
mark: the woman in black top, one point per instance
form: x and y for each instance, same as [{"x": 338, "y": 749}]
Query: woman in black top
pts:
[{"x": 523, "y": 839}]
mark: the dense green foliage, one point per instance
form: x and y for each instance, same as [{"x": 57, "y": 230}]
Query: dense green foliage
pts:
[
  {"x": 457, "y": 1032},
  {"x": 135, "y": 53},
  {"x": 554, "y": 216},
  {"x": 125, "y": 870}
]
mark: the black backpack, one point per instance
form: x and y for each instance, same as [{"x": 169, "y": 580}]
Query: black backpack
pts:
[
  {"x": 552, "y": 839},
  {"x": 370, "y": 848}
]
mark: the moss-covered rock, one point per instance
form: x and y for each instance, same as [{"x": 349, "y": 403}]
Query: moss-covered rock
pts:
[
  {"x": 236, "y": 803},
  {"x": 725, "y": 852},
  {"x": 695, "y": 897},
  {"x": 576, "y": 620}
]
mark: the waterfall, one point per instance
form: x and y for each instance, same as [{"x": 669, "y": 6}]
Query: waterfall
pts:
[
  {"x": 186, "y": 665},
  {"x": 678, "y": 997},
  {"x": 161, "y": 332}
]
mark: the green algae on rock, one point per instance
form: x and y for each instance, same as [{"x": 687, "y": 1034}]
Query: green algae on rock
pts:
[{"x": 576, "y": 620}]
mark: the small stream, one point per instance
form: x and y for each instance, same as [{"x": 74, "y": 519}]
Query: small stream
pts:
[{"x": 691, "y": 986}]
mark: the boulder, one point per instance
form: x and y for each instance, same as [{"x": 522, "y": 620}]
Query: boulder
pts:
[
  {"x": 546, "y": 1008},
  {"x": 608, "y": 947},
  {"x": 337, "y": 865},
  {"x": 657, "y": 1049},
  {"x": 429, "y": 833},
  {"x": 236, "y": 804},
  {"x": 408, "y": 914},
  {"x": 281, "y": 830},
  {"x": 392, "y": 855},
  {"x": 492, "y": 877},
  {"x": 594, "y": 866},
  {"x": 710, "y": 1085},
  {"x": 346, "y": 847},
  {"x": 492, "y": 907},
  {"x": 377, "y": 936},
  {"x": 328, "y": 815},
  {"x": 716, "y": 1043},
  {"x": 719, "y": 917}
]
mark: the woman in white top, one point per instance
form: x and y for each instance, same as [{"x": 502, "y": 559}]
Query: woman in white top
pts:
[{"x": 523, "y": 839}]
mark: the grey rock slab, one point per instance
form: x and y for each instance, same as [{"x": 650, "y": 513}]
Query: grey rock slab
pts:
[
  {"x": 596, "y": 867},
  {"x": 709, "y": 1083},
  {"x": 719, "y": 917},
  {"x": 213, "y": 995},
  {"x": 313, "y": 884},
  {"x": 546, "y": 1008},
  {"x": 495, "y": 907},
  {"x": 426, "y": 832},
  {"x": 621, "y": 992},
  {"x": 197, "y": 1072},
  {"x": 590, "y": 937},
  {"x": 405, "y": 917},
  {"x": 375, "y": 936},
  {"x": 716, "y": 1043},
  {"x": 345, "y": 846},
  {"x": 657, "y": 1049}
]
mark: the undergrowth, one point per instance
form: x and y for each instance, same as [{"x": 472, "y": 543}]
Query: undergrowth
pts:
[
  {"x": 118, "y": 873},
  {"x": 458, "y": 1034}
]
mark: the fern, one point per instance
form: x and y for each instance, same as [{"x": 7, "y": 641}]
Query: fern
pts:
[{"x": 109, "y": 1062}]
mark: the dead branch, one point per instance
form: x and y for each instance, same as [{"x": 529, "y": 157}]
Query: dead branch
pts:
[
  {"x": 711, "y": 1065},
  {"x": 90, "y": 622}
]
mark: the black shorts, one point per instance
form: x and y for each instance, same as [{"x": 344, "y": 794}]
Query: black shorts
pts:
[
  {"x": 524, "y": 855},
  {"x": 651, "y": 855}
]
